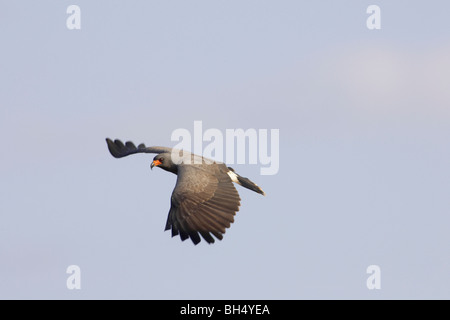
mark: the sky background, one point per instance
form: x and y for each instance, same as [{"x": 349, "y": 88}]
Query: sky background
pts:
[{"x": 364, "y": 120}]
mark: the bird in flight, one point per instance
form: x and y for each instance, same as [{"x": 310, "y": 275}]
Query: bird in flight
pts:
[{"x": 204, "y": 200}]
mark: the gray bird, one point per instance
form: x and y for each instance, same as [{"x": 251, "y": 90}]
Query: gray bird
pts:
[{"x": 204, "y": 200}]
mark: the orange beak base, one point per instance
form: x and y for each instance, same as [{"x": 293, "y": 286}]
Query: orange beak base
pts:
[{"x": 155, "y": 163}]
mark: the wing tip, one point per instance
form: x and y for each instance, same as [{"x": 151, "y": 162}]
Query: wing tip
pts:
[
  {"x": 119, "y": 150},
  {"x": 194, "y": 236},
  {"x": 113, "y": 147}
]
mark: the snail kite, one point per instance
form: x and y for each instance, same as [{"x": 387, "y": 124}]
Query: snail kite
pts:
[{"x": 204, "y": 200}]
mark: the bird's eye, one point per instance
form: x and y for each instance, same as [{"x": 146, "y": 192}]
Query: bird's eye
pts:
[{"x": 161, "y": 159}]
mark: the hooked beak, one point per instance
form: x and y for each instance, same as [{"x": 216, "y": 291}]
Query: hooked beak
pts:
[{"x": 155, "y": 163}]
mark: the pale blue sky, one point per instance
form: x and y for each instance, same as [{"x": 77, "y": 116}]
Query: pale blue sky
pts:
[{"x": 364, "y": 122}]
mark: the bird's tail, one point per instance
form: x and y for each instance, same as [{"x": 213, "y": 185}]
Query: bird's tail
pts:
[{"x": 245, "y": 182}]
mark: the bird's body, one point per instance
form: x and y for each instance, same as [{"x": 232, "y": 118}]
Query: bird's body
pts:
[{"x": 204, "y": 200}]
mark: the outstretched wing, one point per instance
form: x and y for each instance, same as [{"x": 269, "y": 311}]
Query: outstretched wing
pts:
[
  {"x": 203, "y": 202},
  {"x": 120, "y": 150}
]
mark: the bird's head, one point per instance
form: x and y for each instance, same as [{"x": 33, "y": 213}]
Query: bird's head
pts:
[{"x": 164, "y": 161}]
